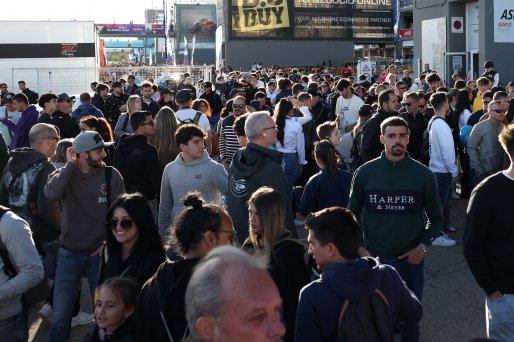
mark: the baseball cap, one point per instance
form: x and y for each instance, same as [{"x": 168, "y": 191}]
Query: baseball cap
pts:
[
  {"x": 64, "y": 97},
  {"x": 511, "y": 84},
  {"x": 7, "y": 98},
  {"x": 89, "y": 141},
  {"x": 246, "y": 75},
  {"x": 488, "y": 64},
  {"x": 207, "y": 85},
  {"x": 116, "y": 84},
  {"x": 183, "y": 96},
  {"x": 165, "y": 91}
]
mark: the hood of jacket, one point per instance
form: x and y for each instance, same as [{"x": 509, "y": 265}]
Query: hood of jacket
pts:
[
  {"x": 203, "y": 159},
  {"x": 129, "y": 142},
  {"x": 30, "y": 110},
  {"x": 252, "y": 158},
  {"x": 23, "y": 158},
  {"x": 354, "y": 279}
]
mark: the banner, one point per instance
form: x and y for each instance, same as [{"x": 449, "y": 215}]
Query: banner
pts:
[
  {"x": 196, "y": 20},
  {"x": 193, "y": 49},
  {"x": 130, "y": 29},
  {"x": 356, "y": 20},
  {"x": 255, "y": 15},
  {"x": 503, "y": 21}
]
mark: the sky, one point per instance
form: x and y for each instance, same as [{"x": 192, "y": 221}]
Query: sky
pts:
[{"x": 99, "y": 11}]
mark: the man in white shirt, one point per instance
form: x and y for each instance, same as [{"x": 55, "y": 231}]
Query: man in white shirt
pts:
[
  {"x": 187, "y": 115},
  {"x": 347, "y": 106},
  {"x": 8, "y": 111},
  {"x": 442, "y": 158}
]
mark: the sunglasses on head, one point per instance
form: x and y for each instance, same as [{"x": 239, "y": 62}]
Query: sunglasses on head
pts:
[
  {"x": 238, "y": 106},
  {"x": 125, "y": 223}
]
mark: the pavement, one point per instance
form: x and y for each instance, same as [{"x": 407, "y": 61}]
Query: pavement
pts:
[{"x": 453, "y": 303}]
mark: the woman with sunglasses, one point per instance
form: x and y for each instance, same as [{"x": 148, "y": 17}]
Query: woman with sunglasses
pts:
[
  {"x": 133, "y": 248},
  {"x": 290, "y": 139},
  {"x": 269, "y": 237},
  {"x": 160, "y": 310}
]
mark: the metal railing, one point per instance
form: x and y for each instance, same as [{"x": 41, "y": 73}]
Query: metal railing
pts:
[{"x": 78, "y": 80}]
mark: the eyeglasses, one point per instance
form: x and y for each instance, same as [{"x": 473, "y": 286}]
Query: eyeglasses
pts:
[
  {"x": 51, "y": 138},
  {"x": 238, "y": 106},
  {"x": 274, "y": 127},
  {"x": 499, "y": 111},
  {"x": 125, "y": 223},
  {"x": 408, "y": 104},
  {"x": 231, "y": 232},
  {"x": 152, "y": 123}
]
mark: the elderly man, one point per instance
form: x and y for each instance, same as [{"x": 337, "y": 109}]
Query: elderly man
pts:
[
  {"x": 231, "y": 297},
  {"x": 254, "y": 166}
]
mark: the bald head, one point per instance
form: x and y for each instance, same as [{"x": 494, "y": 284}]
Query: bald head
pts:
[
  {"x": 256, "y": 123},
  {"x": 41, "y": 130}
]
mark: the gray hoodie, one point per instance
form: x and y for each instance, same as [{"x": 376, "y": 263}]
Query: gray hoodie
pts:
[
  {"x": 17, "y": 238},
  {"x": 203, "y": 175}
]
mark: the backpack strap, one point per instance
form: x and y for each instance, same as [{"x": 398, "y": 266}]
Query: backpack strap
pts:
[
  {"x": 197, "y": 117},
  {"x": 108, "y": 178},
  {"x": 126, "y": 122}
]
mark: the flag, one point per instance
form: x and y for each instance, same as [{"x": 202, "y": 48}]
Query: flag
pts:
[
  {"x": 193, "y": 49},
  {"x": 186, "y": 54}
]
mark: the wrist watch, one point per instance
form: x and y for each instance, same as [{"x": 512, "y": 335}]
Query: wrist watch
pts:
[{"x": 423, "y": 247}]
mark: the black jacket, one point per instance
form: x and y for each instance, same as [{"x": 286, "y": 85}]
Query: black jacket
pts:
[
  {"x": 252, "y": 167},
  {"x": 138, "y": 162},
  {"x": 112, "y": 107},
  {"x": 371, "y": 146},
  {"x": 152, "y": 107},
  {"x": 98, "y": 102},
  {"x": 124, "y": 333},
  {"x": 417, "y": 126},
  {"x": 67, "y": 126},
  {"x": 28, "y": 170},
  {"x": 163, "y": 298}
]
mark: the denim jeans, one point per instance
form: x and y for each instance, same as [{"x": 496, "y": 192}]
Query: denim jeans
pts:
[
  {"x": 15, "y": 328},
  {"x": 444, "y": 187},
  {"x": 412, "y": 275},
  {"x": 500, "y": 318},
  {"x": 291, "y": 168},
  {"x": 70, "y": 268}
]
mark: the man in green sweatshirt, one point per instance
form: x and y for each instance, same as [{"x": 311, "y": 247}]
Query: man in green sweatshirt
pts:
[{"x": 391, "y": 195}]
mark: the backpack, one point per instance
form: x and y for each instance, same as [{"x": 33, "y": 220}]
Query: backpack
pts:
[
  {"x": 366, "y": 319},
  {"x": 356, "y": 152},
  {"x": 424, "y": 155},
  {"x": 193, "y": 121}
]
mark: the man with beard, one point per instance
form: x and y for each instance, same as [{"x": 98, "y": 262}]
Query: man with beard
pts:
[
  {"x": 85, "y": 187},
  {"x": 401, "y": 213}
]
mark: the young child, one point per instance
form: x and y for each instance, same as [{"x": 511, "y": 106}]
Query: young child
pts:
[{"x": 115, "y": 302}]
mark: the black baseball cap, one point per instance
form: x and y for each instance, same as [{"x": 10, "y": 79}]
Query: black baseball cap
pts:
[{"x": 183, "y": 96}]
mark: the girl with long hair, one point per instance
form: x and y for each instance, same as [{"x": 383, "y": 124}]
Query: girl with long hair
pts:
[
  {"x": 160, "y": 314},
  {"x": 202, "y": 105},
  {"x": 329, "y": 187},
  {"x": 100, "y": 125},
  {"x": 290, "y": 139},
  {"x": 163, "y": 139},
  {"x": 123, "y": 126},
  {"x": 269, "y": 237},
  {"x": 133, "y": 247}
]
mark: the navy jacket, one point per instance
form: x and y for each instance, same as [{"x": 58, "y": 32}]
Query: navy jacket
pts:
[{"x": 321, "y": 301}]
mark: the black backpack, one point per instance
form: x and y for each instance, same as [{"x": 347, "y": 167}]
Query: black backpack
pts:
[
  {"x": 193, "y": 121},
  {"x": 356, "y": 152},
  {"x": 424, "y": 155},
  {"x": 366, "y": 319}
]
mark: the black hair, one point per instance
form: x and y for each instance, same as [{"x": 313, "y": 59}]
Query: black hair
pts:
[
  {"x": 239, "y": 125},
  {"x": 343, "y": 84},
  {"x": 101, "y": 87},
  {"x": 148, "y": 241},
  {"x": 20, "y": 97},
  {"x": 196, "y": 219},
  {"x": 462, "y": 101},
  {"x": 137, "y": 118},
  {"x": 384, "y": 96},
  {"x": 281, "y": 110},
  {"x": 186, "y": 132},
  {"x": 393, "y": 121},
  {"x": 45, "y": 98},
  {"x": 438, "y": 99},
  {"x": 336, "y": 225},
  {"x": 326, "y": 152}
]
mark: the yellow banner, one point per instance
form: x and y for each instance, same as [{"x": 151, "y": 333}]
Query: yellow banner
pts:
[{"x": 255, "y": 15}]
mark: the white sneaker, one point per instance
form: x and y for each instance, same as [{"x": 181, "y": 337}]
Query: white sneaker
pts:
[
  {"x": 82, "y": 318},
  {"x": 444, "y": 241},
  {"x": 46, "y": 311}
]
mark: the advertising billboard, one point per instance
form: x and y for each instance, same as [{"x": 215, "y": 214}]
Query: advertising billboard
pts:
[
  {"x": 503, "y": 21},
  {"x": 196, "y": 20},
  {"x": 130, "y": 30},
  {"x": 356, "y": 20}
]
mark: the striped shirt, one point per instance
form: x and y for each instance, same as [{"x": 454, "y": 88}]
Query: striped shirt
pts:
[{"x": 228, "y": 139}]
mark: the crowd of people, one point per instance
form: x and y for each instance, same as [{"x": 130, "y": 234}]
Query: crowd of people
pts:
[{"x": 180, "y": 204}]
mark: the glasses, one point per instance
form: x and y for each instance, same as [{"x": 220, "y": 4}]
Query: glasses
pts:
[
  {"x": 51, "y": 138},
  {"x": 408, "y": 104},
  {"x": 231, "y": 232},
  {"x": 152, "y": 123},
  {"x": 238, "y": 106},
  {"x": 499, "y": 111},
  {"x": 274, "y": 127},
  {"x": 125, "y": 223}
]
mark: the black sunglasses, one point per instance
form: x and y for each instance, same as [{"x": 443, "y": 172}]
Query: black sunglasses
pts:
[
  {"x": 238, "y": 106},
  {"x": 499, "y": 111},
  {"x": 125, "y": 223}
]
